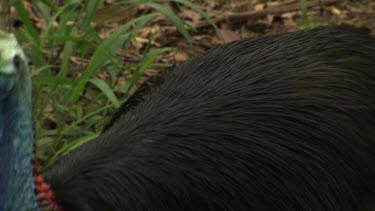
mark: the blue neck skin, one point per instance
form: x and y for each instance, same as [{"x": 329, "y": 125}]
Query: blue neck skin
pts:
[{"x": 16, "y": 148}]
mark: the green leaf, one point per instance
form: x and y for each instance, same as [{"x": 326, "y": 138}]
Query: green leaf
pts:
[
  {"x": 22, "y": 13},
  {"x": 73, "y": 145},
  {"x": 202, "y": 13},
  {"x": 66, "y": 11},
  {"x": 106, "y": 49},
  {"x": 88, "y": 13},
  {"x": 305, "y": 10},
  {"x": 146, "y": 61},
  {"x": 106, "y": 90},
  {"x": 52, "y": 80},
  {"x": 67, "y": 53},
  {"x": 43, "y": 10},
  {"x": 174, "y": 18}
]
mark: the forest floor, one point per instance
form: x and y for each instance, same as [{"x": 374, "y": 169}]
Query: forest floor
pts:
[
  {"x": 235, "y": 19},
  {"x": 238, "y": 19}
]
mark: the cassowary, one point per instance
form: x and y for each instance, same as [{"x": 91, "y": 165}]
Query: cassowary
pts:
[{"x": 284, "y": 122}]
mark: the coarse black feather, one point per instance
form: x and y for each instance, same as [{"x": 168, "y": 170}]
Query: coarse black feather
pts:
[
  {"x": 137, "y": 97},
  {"x": 284, "y": 122}
]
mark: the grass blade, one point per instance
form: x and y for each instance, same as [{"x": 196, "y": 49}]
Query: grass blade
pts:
[
  {"x": 107, "y": 48},
  {"x": 52, "y": 80},
  {"x": 143, "y": 65},
  {"x": 202, "y": 13},
  {"x": 26, "y": 21},
  {"x": 174, "y": 18},
  {"x": 106, "y": 90}
]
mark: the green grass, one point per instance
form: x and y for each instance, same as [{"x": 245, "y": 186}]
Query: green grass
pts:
[
  {"x": 305, "y": 16},
  {"x": 72, "y": 100},
  {"x": 308, "y": 22}
]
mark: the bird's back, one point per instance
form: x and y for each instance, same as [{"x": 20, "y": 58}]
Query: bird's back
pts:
[{"x": 277, "y": 123}]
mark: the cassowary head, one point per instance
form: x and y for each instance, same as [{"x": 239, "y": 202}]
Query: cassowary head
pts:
[{"x": 12, "y": 65}]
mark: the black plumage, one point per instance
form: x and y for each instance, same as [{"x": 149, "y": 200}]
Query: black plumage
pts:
[{"x": 284, "y": 122}]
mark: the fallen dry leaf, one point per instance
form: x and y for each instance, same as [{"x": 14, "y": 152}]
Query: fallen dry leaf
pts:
[
  {"x": 229, "y": 35},
  {"x": 336, "y": 11},
  {"x": 180, "y": 57}
]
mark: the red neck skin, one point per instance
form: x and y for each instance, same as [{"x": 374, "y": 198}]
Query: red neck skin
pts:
[{"x": 44, "y": 195}]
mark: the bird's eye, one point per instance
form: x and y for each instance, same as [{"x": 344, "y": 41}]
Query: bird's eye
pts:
[{"x": 17, "y": 61}]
